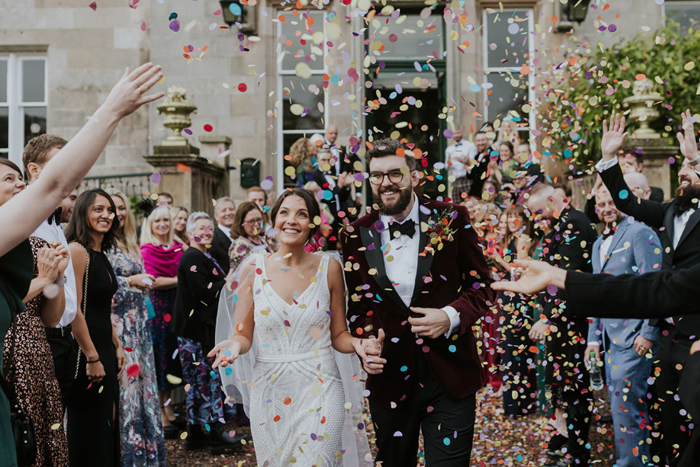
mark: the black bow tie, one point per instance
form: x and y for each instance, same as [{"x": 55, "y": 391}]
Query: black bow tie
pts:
[
  {"x": 406, "y": 228},
  {"x": 56, "y": 217}
]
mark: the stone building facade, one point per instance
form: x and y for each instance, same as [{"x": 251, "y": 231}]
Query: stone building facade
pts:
[{"x": 410, "y": 68}]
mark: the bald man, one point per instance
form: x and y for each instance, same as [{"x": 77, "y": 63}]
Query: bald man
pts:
[{"x": 639, "y": 184}]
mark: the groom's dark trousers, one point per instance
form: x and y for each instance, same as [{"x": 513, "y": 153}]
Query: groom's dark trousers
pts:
[{"x": 447, "y": 425}]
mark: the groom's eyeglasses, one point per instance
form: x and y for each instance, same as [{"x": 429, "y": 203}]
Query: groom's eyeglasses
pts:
[{"x": 377, "y": 178}]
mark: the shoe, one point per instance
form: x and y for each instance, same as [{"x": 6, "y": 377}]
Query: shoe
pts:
[
  {"x": 555, "y": 444},
  {"x": 222, "y": 441},
  {"x": 171, "y": 432},
  {"x": 196, "y": 438},
  {"x": 179, "y": 422}
]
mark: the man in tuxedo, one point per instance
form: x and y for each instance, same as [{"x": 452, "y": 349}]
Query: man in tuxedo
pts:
[
  {"x": 457, "y": 156},
  {"x": 477, "y": 171},
  {"x": 337, "y": 191},
  {"x": 677, "y": 222},
  {"x": 567, "y": 246},
  {"x": 224, "y": 213},
  {"x": 417, "y": 281},
  {"x": 72, "y": 326},
  {"x": 627, "y": 246},
  {"x": 345, "y": 163}
]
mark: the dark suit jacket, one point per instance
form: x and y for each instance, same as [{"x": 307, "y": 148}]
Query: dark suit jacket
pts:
[
  {"x": 567, "y": 246},
  {"x": 348, "y": 161},
  {"x": 456, "y": 275},
  {"x": 197, "y": 299},
  {"x": 477, "y": 173},
  {"x": 342, "y": 193},
  {"x": 219, "y": 249},
  {"x": 661, "y": 216}
]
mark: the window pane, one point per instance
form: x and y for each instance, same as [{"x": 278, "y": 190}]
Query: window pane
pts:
[
  {"x": 297, "y": 91},
  {"x": 506, "y": 94},
  {"x": 34, "y": 122},
  {"x": 4, "y": 128},
  {"x": 415, "y": 37},
  {"x": 507, "y": 37},
  {"x": 33, "y": 80},
  {"x": 3, "y": 80},
  {"x": 298, "y": 35},
  {"x": 686, "y": 14}
]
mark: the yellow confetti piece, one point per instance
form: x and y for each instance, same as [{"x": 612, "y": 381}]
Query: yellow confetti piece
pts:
[
  {"x": 55, "y": 426},
  {"x": 689, "y": 66},
  {"x": 173, "y": 380}
]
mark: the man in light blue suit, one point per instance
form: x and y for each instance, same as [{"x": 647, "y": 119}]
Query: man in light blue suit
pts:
[{"x": 627, "y": 246}]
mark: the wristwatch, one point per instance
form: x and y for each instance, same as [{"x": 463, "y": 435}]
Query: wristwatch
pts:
[{"x": 61, "y": 282}]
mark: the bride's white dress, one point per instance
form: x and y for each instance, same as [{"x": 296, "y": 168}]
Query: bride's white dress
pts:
[{"x": 296, "y": 397}]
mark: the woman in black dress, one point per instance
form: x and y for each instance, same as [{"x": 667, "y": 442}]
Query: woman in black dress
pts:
[{"x": 93, "y": 428}]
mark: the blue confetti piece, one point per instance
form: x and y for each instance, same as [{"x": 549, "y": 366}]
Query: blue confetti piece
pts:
[{"x": 624, "y": 194}]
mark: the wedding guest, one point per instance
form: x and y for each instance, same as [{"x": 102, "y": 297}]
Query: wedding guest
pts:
[
  {"x": 508, "y": 132},
  {"x": 320, "y": 238},
  {"x": 29, "y": 208},
  {"x": 179, "y": 217},
  {"x": 504, "y": 169},
  {"x": 458, "y": 156},
  {"x": 141, "y": 432},
  {"x": 224, "y": 213},
  {"x": 491, "y": 191},
  {"x": 165, "y": 199},
  {"x": 303, "y": 157},
  {"x": 628, "y": 345},
  {"x": 161, "y": 253},
  {"x": 92, "y": 407},
  {"x": 28, "y": 362},
  {"x": 519, "y": 367},
  {"x": 633, "y": 163},
  {"x": 200, "y": 279},
  {"x": 340, "y": 187},
  {"x": 257, "y": 195},
  {"x": 67, "y": 206},
  {"x": 566, "y": 377},
  {"x": 248, "y": 232},
  {"x": 61, "y": 336}
]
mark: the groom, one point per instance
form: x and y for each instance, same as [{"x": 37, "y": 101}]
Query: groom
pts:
[{"x": 417, "y": 282}]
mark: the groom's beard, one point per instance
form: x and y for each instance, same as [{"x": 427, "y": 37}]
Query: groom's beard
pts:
[
  {"x": 399, "y": 206},
  {"x": 685, "y": 196}
]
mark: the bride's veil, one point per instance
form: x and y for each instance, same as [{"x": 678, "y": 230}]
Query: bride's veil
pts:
[{"x": 235, "y": 302}]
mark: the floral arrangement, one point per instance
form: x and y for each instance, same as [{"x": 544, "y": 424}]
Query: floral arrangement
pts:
[{"x": 439, "y": 229}]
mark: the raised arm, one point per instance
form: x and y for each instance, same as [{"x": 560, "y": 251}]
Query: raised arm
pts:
[
  {"x": 650, "y": 212},
  {"x": 26, "y": 211}
]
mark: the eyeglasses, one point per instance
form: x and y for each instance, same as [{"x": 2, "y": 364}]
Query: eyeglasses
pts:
[
  {"x": 256, "y": 223},
  {"x": 377, "y": 178}
]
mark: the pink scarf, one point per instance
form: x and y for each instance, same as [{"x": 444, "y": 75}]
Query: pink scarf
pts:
[{"x": 160, "y": 261}]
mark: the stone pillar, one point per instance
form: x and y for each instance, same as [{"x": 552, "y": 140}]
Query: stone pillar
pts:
[{"x": 655, "y": 154}]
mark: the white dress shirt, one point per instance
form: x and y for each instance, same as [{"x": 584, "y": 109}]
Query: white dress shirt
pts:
[
  {"x": 226, "y": 230},
  {"x": 460, "y": 149},
  {"x": 403, "y": 267},
  {"x": 604, "y": 247},
  {"x": 54, "y": 233}
]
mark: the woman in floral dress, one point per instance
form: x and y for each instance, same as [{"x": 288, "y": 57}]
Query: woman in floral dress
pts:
[
  {"x": 141, "y": 431},
  {"x": 247, "y": 230}
]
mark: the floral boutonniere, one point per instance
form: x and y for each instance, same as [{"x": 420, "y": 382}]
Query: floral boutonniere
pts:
[{"x": 440, "y": 229}]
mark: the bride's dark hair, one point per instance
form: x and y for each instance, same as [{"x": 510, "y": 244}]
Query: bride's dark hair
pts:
[{"x": 311, "y": 205}]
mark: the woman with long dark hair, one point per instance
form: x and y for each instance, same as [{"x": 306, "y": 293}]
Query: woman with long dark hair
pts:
[
  {"x": 247, "y": 230},
  {"x": 93, "y": 436}
]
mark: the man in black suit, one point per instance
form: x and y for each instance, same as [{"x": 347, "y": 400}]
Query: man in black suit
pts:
[
  {"x": 567, "y": 246},
  {"x": 477, "y": 168},
  {"x": 224, "y": 213},
  {"x": 679, "y": 233},
  {"x": 348, "y": 163},
  {"x": 336, "y": 190}
]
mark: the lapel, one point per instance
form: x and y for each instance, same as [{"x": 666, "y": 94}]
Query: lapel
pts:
[
  {"x": 617, "y": 236},
  {"x": 597, "y": 264},
  {"x": 692, "y": 222},
  {"x": 425, "y": 259},
  {"x": 372, "y": 241}
]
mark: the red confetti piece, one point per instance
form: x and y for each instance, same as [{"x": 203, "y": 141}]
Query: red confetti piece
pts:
[
  {"x": 242, "y": 87},
  {"x": 143, "y": 26},
  {"x": 208, "y": 128},
  {"x": 133, "y": 371},
  {"x": 166, "y": 317},
  {"x": 93, "y": 5}
]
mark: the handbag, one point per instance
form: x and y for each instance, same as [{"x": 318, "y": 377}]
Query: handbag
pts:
[
  {"x": 22, "y": 426},
  {"x": 84, "y": 306}
]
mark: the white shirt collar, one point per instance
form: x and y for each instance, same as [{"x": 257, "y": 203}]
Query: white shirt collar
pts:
[{"x": 226, "y": 230}]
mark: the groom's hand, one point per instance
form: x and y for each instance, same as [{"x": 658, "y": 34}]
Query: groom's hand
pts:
[
  {"x": 370, "y": 352},
  {"x": 433, "y": 324}
]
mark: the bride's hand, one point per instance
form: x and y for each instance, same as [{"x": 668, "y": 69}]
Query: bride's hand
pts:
[
  {"x": 228, "y": 353},
  {"x": 370, "y": 351}
]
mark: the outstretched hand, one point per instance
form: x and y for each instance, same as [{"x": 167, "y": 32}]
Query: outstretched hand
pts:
[
  {"x": 228, "y": 351},
  {"x": 613, "y": 137},
  {"x": 686, "y": 140},
  {"x": 538, "y": 275},
  {"x": 130, "y": 92}
]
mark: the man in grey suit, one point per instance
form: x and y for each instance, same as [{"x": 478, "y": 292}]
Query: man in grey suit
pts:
[{"x": 627, "y": 246}]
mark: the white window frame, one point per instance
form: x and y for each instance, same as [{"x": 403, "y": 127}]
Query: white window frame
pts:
[
  {"x": 666, "y": 4},
  {"x": 532, "y": 121},
  {"x": 283, "y": 75},
  {"x": 14, "y": 102}
]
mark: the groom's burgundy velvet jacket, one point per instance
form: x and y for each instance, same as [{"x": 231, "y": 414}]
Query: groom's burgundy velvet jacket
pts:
[{"x": 457, "y": 275}]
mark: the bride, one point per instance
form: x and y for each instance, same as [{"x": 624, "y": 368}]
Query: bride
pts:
[{"x": 284, "y": 344}]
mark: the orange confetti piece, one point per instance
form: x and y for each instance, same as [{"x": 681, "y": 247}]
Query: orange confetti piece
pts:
[
  {"x": 184, "y": 168},
  {"x": 287, "y": 400},
  {"x": 640, "y": 76},
  {"x": 277, "y": 418}
]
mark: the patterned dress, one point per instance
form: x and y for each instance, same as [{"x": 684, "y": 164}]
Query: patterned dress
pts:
[
  {"x": 30, "y": 370},
  {"x": 241, "y": 248},
  {"x": 141, "y": 433}
]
